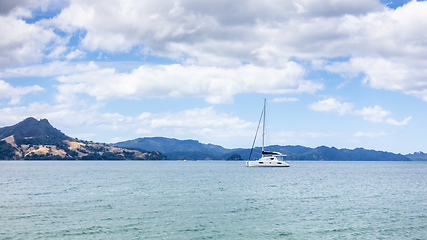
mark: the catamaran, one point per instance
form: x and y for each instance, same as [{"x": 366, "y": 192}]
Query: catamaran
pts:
[{"x": 268, "y": 159}]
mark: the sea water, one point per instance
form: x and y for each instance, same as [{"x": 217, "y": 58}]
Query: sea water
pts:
[{"x": 212, "y": 200}]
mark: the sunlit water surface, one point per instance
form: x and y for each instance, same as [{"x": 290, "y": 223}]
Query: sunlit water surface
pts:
[{"x": 212, "y": 200}]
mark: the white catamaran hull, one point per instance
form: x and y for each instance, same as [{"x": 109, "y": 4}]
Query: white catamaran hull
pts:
[{"x": 266, "y": 163}]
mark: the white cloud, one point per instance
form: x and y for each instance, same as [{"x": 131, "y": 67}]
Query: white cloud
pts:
[
  {"x": 215, "y": 84},
  {"x": 199, "y": 121},
  {"x": 302, "y": 137},
  {"x": 7, "y": 7},
  {"x": 285, "y": 99},
  {"x": 204, "y": 124},
  {"x": 371, "y": 134},
  {"x": 387, "y": 45},
  {"x": 75, "y": 54},
  {"x": 403, "y": 74},
  {"x": 305, "y": 134},
  {"x": 405, "y": 121},
  {"x": 332, "y": 105},
  {"x": 261, "y": 32},
  {"x": 374, "y": 114},
  {"x": 391, "y": 48},
  {"x": 23, "y": 43},
  {"x": 77, "y": 115},
  {"x": 219, "y": 32},
  {"x": 51, "y": 69},
  {"x": 15, "y": 93},
  {"x": 379, "y": 115},
  {"x": 331, "y": 8}
]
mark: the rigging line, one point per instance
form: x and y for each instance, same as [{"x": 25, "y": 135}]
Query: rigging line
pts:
[{"x": 256, "y": 133}]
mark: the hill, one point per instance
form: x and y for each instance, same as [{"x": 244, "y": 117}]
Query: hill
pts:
[
  {"x": 178, "y": 149},
  {"x": 191, "y": 149},
  {"x": 418, "y": 156},
  {"x": 324, "y": 153},
  {"x": 39, "y": 140}
]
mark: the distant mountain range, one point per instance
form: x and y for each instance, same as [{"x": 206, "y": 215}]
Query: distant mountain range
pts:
[
  {"x": 179, "y": 149},
  {"x": 191, "y": 149},
  {"x": 39, "y": 140}
]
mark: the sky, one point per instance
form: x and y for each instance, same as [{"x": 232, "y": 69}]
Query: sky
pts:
[{"x": 336, "y": 73}]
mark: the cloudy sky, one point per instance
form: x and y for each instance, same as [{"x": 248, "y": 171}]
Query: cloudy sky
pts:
[{"x": 339, "y": 73}]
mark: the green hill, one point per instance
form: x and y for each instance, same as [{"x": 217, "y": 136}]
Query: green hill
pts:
[
  {"x": 178, "y": 149},
  {"x": 39, "y": 140},
  {"x": 418, "y": 156}
]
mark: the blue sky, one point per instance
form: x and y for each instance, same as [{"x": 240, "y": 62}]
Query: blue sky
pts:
[{"x": 346, "y": 74}]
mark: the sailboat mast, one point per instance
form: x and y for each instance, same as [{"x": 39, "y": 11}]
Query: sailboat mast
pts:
[{"x": 263, "y": 129}]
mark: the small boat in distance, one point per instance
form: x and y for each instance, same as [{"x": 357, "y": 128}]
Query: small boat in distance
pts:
[{"x": 268, "y": 159}]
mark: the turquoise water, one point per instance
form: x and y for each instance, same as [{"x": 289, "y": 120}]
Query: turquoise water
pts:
[{"x": 212, "y": 200}]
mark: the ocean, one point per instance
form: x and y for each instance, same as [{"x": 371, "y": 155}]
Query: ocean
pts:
[{"x": 212, "y": 200}]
